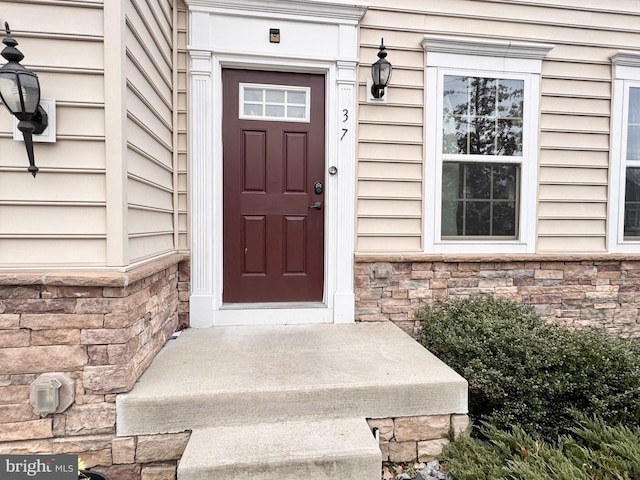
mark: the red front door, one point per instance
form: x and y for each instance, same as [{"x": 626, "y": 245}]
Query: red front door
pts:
[{"x": 273, "y": 169}]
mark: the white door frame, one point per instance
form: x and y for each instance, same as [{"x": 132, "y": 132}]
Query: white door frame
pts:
[{"x": 225, "y": 34}]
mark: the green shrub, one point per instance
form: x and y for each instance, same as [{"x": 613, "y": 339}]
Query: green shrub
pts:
[
  {"x": 522, "y": 371},
  {"x": 594, "y": 451}
]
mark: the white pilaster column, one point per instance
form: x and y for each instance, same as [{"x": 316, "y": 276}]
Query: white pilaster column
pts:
[
  {"x": 201, "y": 179},
  {"x": 344, "y": 298}
]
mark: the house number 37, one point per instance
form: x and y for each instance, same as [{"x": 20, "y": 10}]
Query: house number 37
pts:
[{"x": 345, "y": 118}]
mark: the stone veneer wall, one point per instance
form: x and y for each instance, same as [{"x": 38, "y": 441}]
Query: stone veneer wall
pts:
[
  {"x": 184, "y": 292},
  {"x": 103, "y": 329},
  {"x": 575, "y": 291},
  {"x": 407, "y": 439}
]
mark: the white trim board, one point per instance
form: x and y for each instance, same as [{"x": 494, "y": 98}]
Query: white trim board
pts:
[
  {"x": 325, "y": 11},
  {"x": 626, "y": 75}
]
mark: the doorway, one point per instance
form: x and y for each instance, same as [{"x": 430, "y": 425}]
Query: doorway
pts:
[{"x": 273, "y": 131}]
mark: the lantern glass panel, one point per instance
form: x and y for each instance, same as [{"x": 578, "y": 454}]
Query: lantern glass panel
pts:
[
  {"x": 30, "y": 91},
  {"x": 20, "y": 92},
  {"x": 375, "y": 73},
  {"x": 385, "y": 73},
  {"x": 381, "y": 73},
  {"x": 9, "y": 91}
]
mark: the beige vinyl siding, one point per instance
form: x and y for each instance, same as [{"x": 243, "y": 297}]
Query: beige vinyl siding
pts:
[
  {"x": 575, "y": 109},
  {"x": 55, "y": 251},
  {"x": 58, "y": 218},
  {"x": 389, "y": 210},
  {"x": 62, "y": 215},
  {"x": 149, "y": 132},
  {"x": 181, "y": 114}
]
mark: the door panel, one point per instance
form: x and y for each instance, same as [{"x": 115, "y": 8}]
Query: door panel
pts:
[
  {"x": 295, "y": 162},
  {"x": 255, "y": 235},
  {"x": 273, "y": 241},
  {"x": 295, "y": 232},
  {"x": 254, "y": 161}
]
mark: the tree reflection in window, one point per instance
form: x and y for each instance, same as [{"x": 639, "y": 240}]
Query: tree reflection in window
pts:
[
  {"x": 481, "y": 116},
  {"x": 632, "y": 203},
  {"x": 632, "y": 181},
  {"x": 480, "y": 199}
]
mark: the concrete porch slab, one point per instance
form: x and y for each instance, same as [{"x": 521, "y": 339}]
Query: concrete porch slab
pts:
[{"x": 244, "y": 375}]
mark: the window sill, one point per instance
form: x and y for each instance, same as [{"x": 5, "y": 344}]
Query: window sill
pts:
[{"x": 479, "y": 247}]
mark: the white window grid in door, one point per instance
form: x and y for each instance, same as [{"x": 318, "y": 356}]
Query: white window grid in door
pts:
[{"x": 274, "y": 102}]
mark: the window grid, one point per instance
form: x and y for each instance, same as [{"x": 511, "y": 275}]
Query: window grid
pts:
[
  {"x": 458, "y": 56},
  {"x": 467, "y": 197},
  {"x": 482, "y": 130},
  {"x": 482, "y": 115},
  {"x": 632, "y": 204},
  {"x": 274, "y": 103},
  {"x": 631, "y": 218}
]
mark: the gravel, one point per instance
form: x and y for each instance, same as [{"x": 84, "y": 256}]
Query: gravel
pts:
[{"x": 428, "y": 471}]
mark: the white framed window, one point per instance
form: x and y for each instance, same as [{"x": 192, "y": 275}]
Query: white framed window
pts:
[
  {"x": 274, "y": 102},
  {"x": 481, "y": 150},
  {"x": 624, "y": 191},
  {"x": 481, "y": 156}
]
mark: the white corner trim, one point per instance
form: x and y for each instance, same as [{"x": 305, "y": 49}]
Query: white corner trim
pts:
[
  {"x": 483, "y": 47},
  {"x": 615, "y": 203}
]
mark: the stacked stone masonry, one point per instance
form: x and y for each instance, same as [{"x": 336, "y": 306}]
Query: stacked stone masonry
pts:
[
  {"x": 407, "y": 439},
  {"x": 102, "y": 329},
  {"x": 184, "y": 292},
  {"x": 575, "y": 291}
]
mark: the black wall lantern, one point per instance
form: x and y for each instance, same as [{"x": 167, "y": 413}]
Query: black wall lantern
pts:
[
  {"x": 20, "y": 92},
  {"x": 380, "y": 72}
]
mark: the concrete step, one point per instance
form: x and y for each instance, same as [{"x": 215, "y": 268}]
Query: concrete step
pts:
[
  {"x": 247, "y": 375},
  {"x": 330, "y": 449}
]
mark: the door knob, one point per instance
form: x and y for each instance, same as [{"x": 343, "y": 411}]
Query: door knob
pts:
[{"x": 317, "y": 206}]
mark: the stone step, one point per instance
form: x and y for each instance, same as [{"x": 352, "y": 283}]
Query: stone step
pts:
[
  {"x": 246, "y": 375},
  {"x": 330, "y": 449}
]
